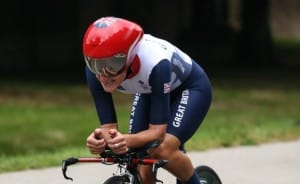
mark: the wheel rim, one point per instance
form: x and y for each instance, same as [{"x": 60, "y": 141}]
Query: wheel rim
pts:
[{"x": 207, "y": 176}]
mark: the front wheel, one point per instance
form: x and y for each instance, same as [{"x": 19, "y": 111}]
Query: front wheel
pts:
[
  {"x": 117, "y": 180},
  {"x": 207, "y": 175}
]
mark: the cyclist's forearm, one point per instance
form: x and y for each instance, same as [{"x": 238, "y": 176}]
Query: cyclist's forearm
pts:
[{"x": 155, "y": 132}]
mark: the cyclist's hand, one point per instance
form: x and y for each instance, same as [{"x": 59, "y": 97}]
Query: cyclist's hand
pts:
[
  {"x": 118, "y": 142},
  {"x": 95, "y": 142}
]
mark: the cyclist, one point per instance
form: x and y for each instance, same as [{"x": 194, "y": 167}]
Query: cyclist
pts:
[{"x": 172, "y": 93}]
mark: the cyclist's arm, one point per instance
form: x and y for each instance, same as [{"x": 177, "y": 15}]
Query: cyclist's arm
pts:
[
  {"x": 159, "y": 107},
  {"x": 155, "y": 132},
  {"x": 103, "y": 102}
]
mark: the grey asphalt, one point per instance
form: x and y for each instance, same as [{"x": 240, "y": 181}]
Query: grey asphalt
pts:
[{"x": 274, "y": 163}]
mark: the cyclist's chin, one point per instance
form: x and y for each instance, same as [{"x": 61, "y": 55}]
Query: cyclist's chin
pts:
[
  {"x": 111, "y": 83},
  {"x": 110, "y": 87}
]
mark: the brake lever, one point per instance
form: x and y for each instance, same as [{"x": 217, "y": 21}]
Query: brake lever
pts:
[{"x": 65, "y": 164}]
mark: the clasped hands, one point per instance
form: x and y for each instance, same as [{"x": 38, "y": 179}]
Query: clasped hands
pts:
[{"x": 97, "y": 142}]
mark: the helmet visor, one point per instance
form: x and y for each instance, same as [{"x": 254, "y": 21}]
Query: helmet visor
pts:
[{"x": 112, "y": 65}]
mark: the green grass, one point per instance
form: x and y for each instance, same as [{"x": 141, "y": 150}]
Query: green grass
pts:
[
  {"x": 43, "y": 123},
  {"x": 36, "y": 116},
  {"x": 39, "y": 159},
  {"x": 255, "y": 116}
]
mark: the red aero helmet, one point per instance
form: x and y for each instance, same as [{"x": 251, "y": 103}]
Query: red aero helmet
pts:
[{"x": 109, "y": 36}]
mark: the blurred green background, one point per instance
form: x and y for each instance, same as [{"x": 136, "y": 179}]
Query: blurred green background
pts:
[{"x": 249, "y": 48}]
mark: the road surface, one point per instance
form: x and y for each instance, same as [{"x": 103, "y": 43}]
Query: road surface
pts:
[{"x": 276, "y": 163}]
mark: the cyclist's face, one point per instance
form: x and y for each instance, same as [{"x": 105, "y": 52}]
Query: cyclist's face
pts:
[{"x": 111, "y": 82}]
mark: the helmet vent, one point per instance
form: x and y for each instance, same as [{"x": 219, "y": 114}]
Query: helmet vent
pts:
[{"x": 104, "y": 22}]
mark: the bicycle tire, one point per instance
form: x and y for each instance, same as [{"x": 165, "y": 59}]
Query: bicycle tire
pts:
[
  {"x": 207, "y": 175},
  {"x": 117, "y": 180}
]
